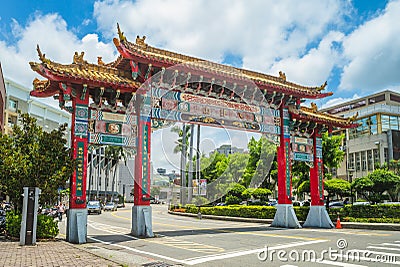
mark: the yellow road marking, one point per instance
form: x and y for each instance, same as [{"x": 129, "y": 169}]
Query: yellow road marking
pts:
[{"x": 229, "y": 231}]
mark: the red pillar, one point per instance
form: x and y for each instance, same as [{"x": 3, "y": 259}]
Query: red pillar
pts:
[
  {"x": 79, "y": 144},
  {"x": 284, "y": 162},
  {"x": 142, "y": 159},
  {"x": 316, "y": 173}
]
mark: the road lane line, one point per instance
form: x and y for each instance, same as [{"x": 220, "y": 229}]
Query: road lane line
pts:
[
  {"x": 390, "y": 244},
  {"x": 138, "y": 251},
  {"x": 385, "y": 248},
  {"x": 343, "y": 264},
  {"x": 247, "y": 252},
  {"x": 166, "y": 241},
  {"x": 240, "y": 233}
]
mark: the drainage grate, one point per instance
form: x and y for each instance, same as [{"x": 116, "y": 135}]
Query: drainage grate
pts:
[{"x": 157, "y": 264}]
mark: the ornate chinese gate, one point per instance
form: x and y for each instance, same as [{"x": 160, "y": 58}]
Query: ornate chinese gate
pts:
[{"x": 150, "y": 85}]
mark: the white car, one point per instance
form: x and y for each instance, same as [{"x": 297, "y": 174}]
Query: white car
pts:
[{"x": 111, "y": 206}]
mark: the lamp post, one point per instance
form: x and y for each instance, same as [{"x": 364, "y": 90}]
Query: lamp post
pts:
[{"x": 351, "y": 181}]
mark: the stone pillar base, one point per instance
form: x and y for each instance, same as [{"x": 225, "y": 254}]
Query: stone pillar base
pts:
[
  {"x": 77, "y": 226},
  {"x": 318, "y": 217},
  {"x": 285, "y": 217},
  {"x": 142, "y": 221}
]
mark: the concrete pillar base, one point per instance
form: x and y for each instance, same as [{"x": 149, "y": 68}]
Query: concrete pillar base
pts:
[
  {"x": 285, "y": 217},
  {"x": 142, "y": 221},
  {"x": 318, "y": 217},
  {"x": 77, "y": 226}
]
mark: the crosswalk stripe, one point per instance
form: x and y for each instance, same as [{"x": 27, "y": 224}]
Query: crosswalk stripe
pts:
[
  {"x": 390, "y": 244},
  {"x": 386, "y": 248}
]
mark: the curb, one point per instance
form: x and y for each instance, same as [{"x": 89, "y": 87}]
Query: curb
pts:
[{"x": 345, "y": 225}]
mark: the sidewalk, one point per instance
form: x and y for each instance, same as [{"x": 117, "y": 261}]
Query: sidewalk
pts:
[{"x": 49, "y": 253}]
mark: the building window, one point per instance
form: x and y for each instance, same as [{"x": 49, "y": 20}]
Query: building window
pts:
[
  {"x": 377, "y": 158},
  {"x": 395, "y": 98},
  {"x": 385, "y": 154},
  {"x": 364, "y": 161},
  {"x": 389, "y": 122},
  {"x": 351, "y": 161},
  {"x": 12, "y": 120},
  {"x": 358, "y": 161},
  {"x": 370, "y": 160},
  {"x": 394, "y": 123},
  {"x": 13, "y": 105},
  {"x": 367, "y": 126},
  {"x": 376, "y": 99},
  {"x": 373, "y": 124}
]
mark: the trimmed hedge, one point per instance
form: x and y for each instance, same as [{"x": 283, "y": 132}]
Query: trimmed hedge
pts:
[
  {"x": 371, "y": 211},
  {"x": 47, "y": 227},
  {"x": 388, "y": 213},
  {"x": 260, "y": 212}
]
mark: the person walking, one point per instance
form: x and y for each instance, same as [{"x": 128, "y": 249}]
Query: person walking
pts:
[{"x": 61, "y": 210}]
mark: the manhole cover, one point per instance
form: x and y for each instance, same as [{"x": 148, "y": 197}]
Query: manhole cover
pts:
[
  {"x": 92, "y": 247},
  {"x": 157, "y": 264}
]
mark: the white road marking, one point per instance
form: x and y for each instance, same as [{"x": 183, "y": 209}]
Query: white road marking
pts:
[
  {"x": 390, "y": 244},
  {"x": 343, "y": 264},
  {"x": 385, "y": 248},
  {"x": 138, "y": 251},
  {"x": 247, "y": 252}
]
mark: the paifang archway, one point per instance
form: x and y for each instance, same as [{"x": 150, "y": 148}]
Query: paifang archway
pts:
[{"x": 153, "y": 85}]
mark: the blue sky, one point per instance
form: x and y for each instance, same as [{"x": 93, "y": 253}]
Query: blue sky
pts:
[{"x": 354, "y": 45}]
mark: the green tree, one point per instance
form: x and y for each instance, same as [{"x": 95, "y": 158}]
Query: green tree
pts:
[
  {"x": 262, "y": 153},
  {"x": 337, "y": 187},
  {"x": 332, "y": 153},
  {"x": 236, "y": 190},
  {"x": 213, "y": 167},
  {"x": 32, "y": 157},
  {"x": 376, "y": 183},
  {"x": 261, "y": 194}
]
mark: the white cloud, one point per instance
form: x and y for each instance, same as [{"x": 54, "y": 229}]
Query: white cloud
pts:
[
  {"x": 338, "y": 100},
  {"x": 55, "y": 40},
  {"x": 314, "y": 67},
  {"x": 261, "y": 32},
  {"x": 373, "y": 53}
]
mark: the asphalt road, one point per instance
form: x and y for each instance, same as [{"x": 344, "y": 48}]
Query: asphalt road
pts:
[{"x": 189, "y": 241}]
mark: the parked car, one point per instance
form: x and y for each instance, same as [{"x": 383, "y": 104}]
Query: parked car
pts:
[
  {"x": 336, "y": 205},
  {"x": 110, "y": 206},
  {"x": 94, "y": 206}
]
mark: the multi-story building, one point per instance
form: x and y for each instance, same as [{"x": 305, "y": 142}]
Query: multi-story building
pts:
[
  {"x": 377, "y": 138},
  {"x": 18, "y": 99},
  {"x": 228, "y": 149},
  {"x": 2, "y": 100}
]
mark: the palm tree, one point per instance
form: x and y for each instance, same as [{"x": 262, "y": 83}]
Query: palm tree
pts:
[
  {"x": 115, "y": 154},
  {"x": 181, "y": 146}
]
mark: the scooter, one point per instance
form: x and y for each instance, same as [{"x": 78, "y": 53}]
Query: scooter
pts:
[{"x": 2, "y": 221}]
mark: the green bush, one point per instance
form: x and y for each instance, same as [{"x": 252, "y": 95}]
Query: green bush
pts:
[
  {"x": 232, "y": 200},
  {"x": 369, "y": 213},
  {"x": 13, "y": 223},
  {"x": 47, "y": 227}
]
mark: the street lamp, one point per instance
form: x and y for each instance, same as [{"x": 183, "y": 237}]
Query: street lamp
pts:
[{"x": 351, "y": 171}]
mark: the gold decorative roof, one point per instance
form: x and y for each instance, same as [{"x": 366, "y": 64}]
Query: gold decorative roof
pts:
[
  {"x": 43, "y": 88},
  {"x": 81, "y": 70},
  {"x": 312, "y": 113},
  {"x": 143, "y": 50}
]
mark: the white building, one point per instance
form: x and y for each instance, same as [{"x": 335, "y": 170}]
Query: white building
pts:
[
  {"x": 376, "y": 140},
  {"x": 18, "y": 99}
]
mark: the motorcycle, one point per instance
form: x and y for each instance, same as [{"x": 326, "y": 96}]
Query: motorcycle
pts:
[{"x": 2, "y": 221}]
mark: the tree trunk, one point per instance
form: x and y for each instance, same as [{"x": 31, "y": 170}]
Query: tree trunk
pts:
[
  {"x": 113, "y": 182},
  {"x": 190, "y": 176}
]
